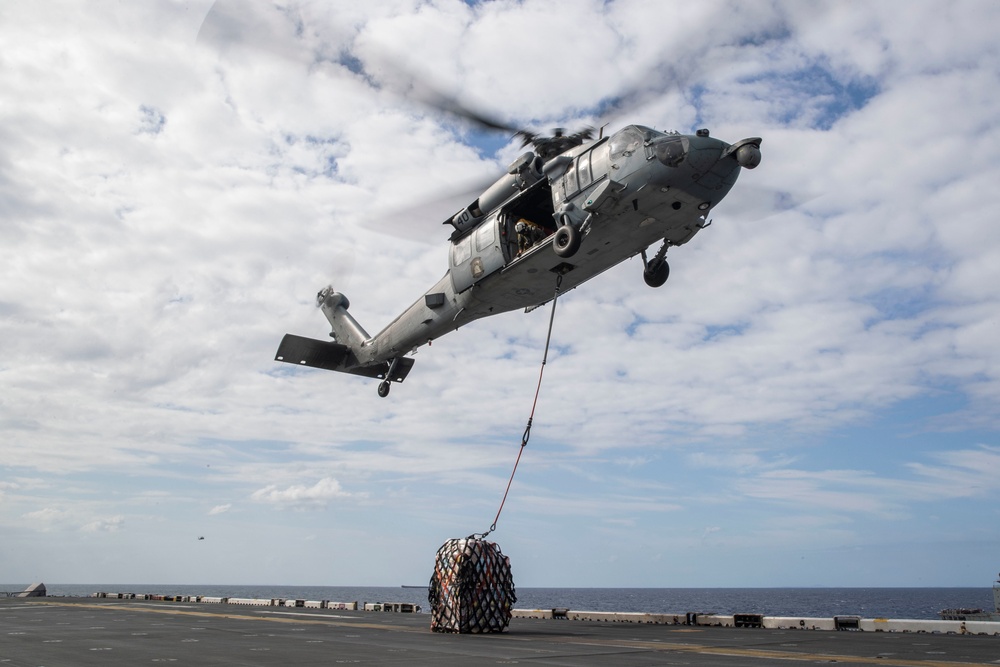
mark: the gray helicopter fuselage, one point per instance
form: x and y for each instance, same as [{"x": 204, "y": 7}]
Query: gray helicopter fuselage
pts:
[{"x": 620, "y": 195}]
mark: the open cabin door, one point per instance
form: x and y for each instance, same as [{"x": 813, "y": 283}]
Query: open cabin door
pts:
[{"x": 495, "y": 242}]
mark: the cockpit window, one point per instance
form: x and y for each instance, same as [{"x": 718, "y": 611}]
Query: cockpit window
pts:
[
  {"x": 670, "y": 150},
  {"x": 625, "y": 142}
]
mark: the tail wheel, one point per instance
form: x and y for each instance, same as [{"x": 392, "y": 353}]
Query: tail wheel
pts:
[
  {"x": 566, "y": 241},
  {"x": 383, "y": 389}
]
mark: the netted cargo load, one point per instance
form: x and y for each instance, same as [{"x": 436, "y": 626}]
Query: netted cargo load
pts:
[{"x": 471, "y": 590}]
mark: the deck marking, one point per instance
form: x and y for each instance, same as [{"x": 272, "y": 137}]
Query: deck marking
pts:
[
  {"x": 295, "y": 621},
  {"x": 774, "y": 655},
  {"x": 299, "y": 613}
]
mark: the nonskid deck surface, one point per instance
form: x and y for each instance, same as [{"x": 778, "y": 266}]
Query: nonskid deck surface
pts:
[{"x": 57, "y": 632}]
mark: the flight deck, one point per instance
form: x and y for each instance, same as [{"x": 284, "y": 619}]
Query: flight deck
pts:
[{"x": 64, "y": 632}]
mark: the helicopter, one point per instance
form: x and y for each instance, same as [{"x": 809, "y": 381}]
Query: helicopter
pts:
[{"x": 563, "y": 213}]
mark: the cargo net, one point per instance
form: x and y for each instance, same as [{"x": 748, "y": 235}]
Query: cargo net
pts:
[{"x": 471, "y": 590}]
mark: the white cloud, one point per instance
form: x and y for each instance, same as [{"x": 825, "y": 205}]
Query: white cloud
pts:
[
  {"x": 220, "y": 509},
  {"x": 110, "y": 524},
  {"x": 962, "y": 473},
  {"x": 318, "y": 495},
  {"x": 46, "y": 517}
]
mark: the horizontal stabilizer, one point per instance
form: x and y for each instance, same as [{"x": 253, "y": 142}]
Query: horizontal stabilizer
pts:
[{"x": 332, "y": 356}]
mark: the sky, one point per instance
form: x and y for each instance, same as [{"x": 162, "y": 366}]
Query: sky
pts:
[{"x": 811, "y": 399}]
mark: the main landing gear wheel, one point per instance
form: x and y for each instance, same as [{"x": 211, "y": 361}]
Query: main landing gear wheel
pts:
[
  {"x": 656, "y": 273},
  {"x": 566, "y": 241},
  {"x": 383, "y": 389}
]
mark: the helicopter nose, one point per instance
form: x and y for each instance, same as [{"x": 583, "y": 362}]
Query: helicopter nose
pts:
[
  {"x": 746, "y": 152},
  {"x": 671, "y": 150},
  {"x": 748, "y": 156}
]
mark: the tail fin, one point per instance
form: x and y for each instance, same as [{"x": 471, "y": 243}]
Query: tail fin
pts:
[
  {"x": 345, "y": 353},
  {"x": 345, "y": 329}
]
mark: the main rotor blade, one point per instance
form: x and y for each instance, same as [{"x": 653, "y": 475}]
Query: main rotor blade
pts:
[
  {"x": 435, "y": 99},
  {"x": 421, "y": 220},
  {"x": 420, "y": 88}
]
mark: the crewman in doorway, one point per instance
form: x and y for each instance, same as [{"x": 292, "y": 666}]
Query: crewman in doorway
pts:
[{"x": 528, "y": 234}]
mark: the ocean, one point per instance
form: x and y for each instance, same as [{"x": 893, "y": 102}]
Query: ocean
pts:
[{"x": 912, "y": 603}]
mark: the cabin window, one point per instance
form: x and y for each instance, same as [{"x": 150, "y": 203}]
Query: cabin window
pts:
[
  {"x": 484, "y": 236},
  {"x": 570, "y": 183},
  {"x": 461, "y": 251},
  {"x": 583, "y": 170},
  {"x": 599, "y": 161},
  {"x": 558, "y": 191}
]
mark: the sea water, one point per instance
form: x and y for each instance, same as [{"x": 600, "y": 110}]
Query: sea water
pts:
[{"x": 913, "y": 603}]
